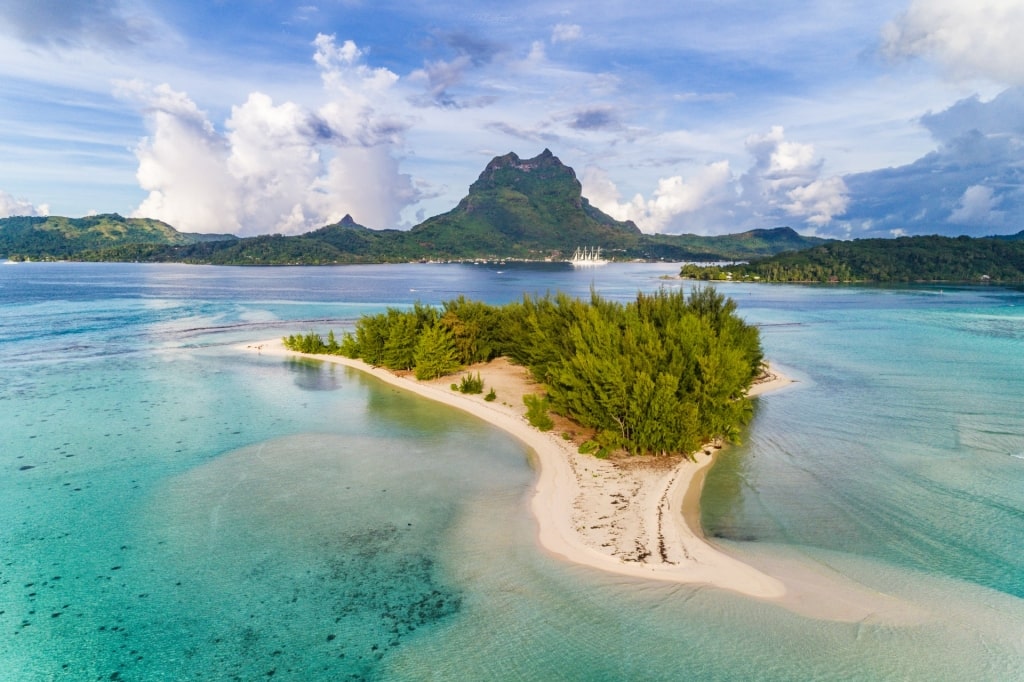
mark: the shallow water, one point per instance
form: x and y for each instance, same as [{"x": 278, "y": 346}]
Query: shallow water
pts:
[{"x": 174, "y": 508}]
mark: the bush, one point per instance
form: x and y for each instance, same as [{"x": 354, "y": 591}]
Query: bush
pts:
[
  {"x": 491, "y": 397},
  {"x": 308, "y": 343},
  {"x": 537, "y": 412},
  {"x": 472, "y": 384}
]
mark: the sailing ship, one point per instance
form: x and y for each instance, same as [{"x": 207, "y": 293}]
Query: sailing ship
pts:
[{"x": 586, "y": 257}]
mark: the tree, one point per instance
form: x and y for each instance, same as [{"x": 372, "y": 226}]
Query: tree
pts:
[
  {"x": 435, "y": 354},
  {"x": 400, "y": 344}
]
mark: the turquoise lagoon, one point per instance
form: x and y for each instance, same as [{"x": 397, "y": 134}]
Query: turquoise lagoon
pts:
[{"x": 176, "y": 506}]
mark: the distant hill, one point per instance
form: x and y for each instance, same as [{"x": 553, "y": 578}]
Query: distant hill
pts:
[
  {"x": 1010, "y": 237},
  {"x": 527, "y": 209},
  {"x": 741, "y": 246},
  {"x": 56, "y": 237},
  {"x": 343, "y": 242},
  {"x": 905, "y": 259}
]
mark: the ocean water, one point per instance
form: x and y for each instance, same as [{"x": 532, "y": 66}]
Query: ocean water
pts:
[{"x": 175, "y": 505}]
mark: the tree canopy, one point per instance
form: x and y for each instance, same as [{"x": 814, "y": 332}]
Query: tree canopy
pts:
[
  {"x": 905, "y": 259},
  {"x": 662, "y": 374}
]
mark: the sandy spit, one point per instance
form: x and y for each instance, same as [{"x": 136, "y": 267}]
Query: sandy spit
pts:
[{"x": 635, "y": 516}]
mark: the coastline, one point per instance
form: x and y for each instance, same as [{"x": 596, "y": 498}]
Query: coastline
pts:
[{"x": 638, "y": 517}]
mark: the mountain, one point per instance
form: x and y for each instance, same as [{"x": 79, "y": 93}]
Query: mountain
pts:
[
  {"x": 529, "y": 209},
  {"x": 56, "y": 237}
]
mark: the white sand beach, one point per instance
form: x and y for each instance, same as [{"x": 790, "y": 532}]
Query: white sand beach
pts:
[{"x": 633, "y": 516}]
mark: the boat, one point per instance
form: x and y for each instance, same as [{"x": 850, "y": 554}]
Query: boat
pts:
[{"x": 587, "y": 257}]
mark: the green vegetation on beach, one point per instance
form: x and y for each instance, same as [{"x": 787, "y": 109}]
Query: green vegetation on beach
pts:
[{"x": 660, "y": 375}]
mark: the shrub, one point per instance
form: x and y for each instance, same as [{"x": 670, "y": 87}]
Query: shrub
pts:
[
  {"x": 491, "y": 397},
  {"x": 472, "y": 384},
  {"x": 537, "y": 412},
  {"x": 308, "y": 343}
]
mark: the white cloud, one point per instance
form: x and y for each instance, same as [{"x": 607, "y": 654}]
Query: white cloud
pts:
[
  {"x": 183, "y": 164},
  {"x": 971, "y": 39},
  {"x": 674, "y": 198},
  {"x": 780, "y": 163},
  {"x": 785, "y": 181},
  {"x": 972, "y": 179},
  {"x": 276, "y": 167},
  {"x": 12, "y": 206},
  {"x": 977, "y": 205},
  {"x": 819, "y": 201},
  {"x": 566, "y": 33},
  {"x": 786, "y": 175}
]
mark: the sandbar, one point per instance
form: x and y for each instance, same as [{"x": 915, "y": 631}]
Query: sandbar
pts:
[{"x": 631, "y": 516}]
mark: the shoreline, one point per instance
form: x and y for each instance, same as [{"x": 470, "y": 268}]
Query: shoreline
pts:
[
  {"x": 649, "y": 506},
  {"x": 637, "y": 517}
]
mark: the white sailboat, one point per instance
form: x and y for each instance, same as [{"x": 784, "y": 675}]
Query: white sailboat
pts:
[{"x": 587, "y": 257}]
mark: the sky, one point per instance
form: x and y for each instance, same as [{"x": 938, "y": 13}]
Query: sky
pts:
[{"x": 844, "y": 119}]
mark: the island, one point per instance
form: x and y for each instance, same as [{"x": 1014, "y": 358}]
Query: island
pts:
[
  {"x": 918, "y": 259},
  {"x": 517, "y": 209},
  {"x": 632, "y": 515},
  {"x": 623, "y": 406}
]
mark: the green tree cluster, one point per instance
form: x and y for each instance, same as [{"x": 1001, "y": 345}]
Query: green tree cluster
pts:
[
  {"x": 311, "y": 343},
  {"x": 662, "y": 374},
  {"x": 906, "y": 259}
]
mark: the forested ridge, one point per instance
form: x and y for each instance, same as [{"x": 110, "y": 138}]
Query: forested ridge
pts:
[
  {"x": 663, "y": 374},
  {"x": 905, "y": 259}
]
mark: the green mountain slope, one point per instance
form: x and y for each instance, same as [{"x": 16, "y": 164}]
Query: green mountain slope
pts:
[
  {"x": 528, "y": 209},
  {"x": 342, "y": 242},
  {"x": 56, "y": 237},
  {"x": 741, "y": 246}
]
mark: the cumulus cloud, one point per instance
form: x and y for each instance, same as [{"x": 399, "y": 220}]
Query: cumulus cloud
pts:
[
  {"x": 183, "y": 164},
  {"x": 978, "y": 203},
  {"x": 971, "y": 183},
  {"x": 786, "y": 176},
  {"x": 819, "y": 201},
  {"x": 12, "y": 206},
  {"x": 77, "y": 23},
  {"x": 784, "y": 183},
  {"x": 276, "y": 167},
  {"x": 980, "y": 38},
  {"x": 674, "y": 200}
]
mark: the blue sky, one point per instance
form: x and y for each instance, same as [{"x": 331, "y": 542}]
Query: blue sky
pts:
[{"x": 841, "y": 119}]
